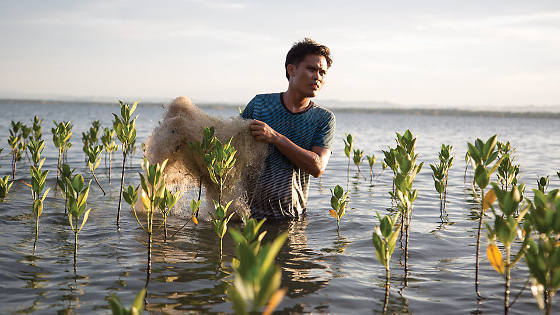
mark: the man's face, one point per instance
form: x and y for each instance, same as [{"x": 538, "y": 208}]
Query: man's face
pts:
[{"x": 308, "y": 76}]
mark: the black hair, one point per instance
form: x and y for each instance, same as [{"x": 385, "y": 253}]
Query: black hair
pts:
[{"x": 301, "y": 49}]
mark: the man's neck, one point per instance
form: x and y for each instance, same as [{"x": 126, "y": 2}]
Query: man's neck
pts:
[{"x": 295, "y": 103}]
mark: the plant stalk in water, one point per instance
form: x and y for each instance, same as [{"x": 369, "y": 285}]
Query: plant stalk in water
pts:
[
  {"x": 38, "y": 178},
  {"x": 384, "y": 240},
  {"x": 482, "y": 154},
  {"x": 152, "y": 184},
  {"x": 77, "y": 201},
  {"x": 371, "y": 162},
  {"x": 338, "y": 204},
  {"x": 507, "y": 227},
  {"x": 125, "y": 127}
]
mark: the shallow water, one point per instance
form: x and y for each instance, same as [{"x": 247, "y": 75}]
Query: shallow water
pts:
[{"x": 324, "y": 272}]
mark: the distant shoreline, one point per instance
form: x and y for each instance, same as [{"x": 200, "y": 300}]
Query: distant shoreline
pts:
[{"x": 382, "y": 110}]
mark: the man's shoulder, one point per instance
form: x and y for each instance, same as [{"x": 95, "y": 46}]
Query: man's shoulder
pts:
[
  {"x": 323, "y": 111},
  {"x": 266, "y": 97}
]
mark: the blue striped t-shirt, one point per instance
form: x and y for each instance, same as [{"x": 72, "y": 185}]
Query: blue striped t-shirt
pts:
[{"x": 281, "y": 191}]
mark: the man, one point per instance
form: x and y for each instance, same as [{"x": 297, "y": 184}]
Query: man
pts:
[{"x": 299, "y": 133}]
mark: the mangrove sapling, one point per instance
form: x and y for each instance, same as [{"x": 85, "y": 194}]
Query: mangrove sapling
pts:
[
  {"x": 220, "y": 220},
  {"x": 16, "y": 144},
  {"x": 506, "y": 229},
  {"x": 403, "y": 180},
  {"x": 61, "y": 139},
  {"x": 542, "y": 257},
  {"x": 543, "y": 183},
  {"x": 168, "y": 202},
  {"x": 110, "y": 146},
  {"x": 507, "y": 172},
  {"x": 338, "y": 204},
  {"x": 125, "y": 127},
  {"x": 257, "y": 278},
  {"x": 482, "y": 154},
  {"x": 38, "y": 178},
  {"x": 384, "y": 239},
  {"x": 5, "y": 187},
  {"x": 441, "y": 175},
  {"x": 220, "y": 161},
  {"x": 93, "y": 159},
  {"x": 65, "y": 173},
  {"x": 348, "y": 148},
  {"x": 137, "y": 307},
  {"x": 77, "y": 200},
  {"x": 371, "y": 162},
  {"x": 357, "y": 158},
  {"x": 152, "y": 184}
]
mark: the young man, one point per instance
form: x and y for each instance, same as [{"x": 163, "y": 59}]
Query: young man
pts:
[{"x": 299, "y": 133}]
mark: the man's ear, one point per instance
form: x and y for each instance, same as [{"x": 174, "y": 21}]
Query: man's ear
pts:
[{"x": 291, "y": 69}]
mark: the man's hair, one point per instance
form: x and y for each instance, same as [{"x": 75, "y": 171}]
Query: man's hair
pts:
[{"x": 301, "y": 49}]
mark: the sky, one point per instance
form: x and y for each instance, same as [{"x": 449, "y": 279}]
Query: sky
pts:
[{"x": 424, "y": 53}]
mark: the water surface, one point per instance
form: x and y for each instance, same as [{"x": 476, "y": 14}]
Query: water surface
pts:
[{"x": 324, "y": 272}]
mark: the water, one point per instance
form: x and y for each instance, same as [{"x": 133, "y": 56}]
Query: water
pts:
[{"x": 324, "y": 272}]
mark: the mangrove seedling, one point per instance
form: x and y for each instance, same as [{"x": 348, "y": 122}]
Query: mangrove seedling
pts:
[
  {"x": 94, "y": 157},
  {"x": 220, "y": 161},
  {"x": 137, "y": 307},
  {"x": 77, "y": 200},
  {"x": 110, "y": 146},
  {"x": 61, "y": 139},
  {"x": 507, "y": 172},
  {"x": 507, "y": 230},
  {"x": 348, "y": 148},
  {"x": 338, "y": 204},
  {"x": 543, "y": 183},
  {"x": 65, "y": 174},
  {"x": 371, "y": 162},
  {"x": 482, "y": 154},
  {"x": 5, "y": 187},
  {"x": 406, "y": 171},
  {"x": 38, "y": 178},
  {"x": 441, "y": 175},
  {"x": 358, "y": 157},
  {"x": 168, "y": 202},
  {"x": 384, "y": 240},
  {"x": 125, "y": 127},
  {"x": 257, "y": 278},
  {"x": 220, "y": 220},
  {"x": 543, "y": 254},
  {"x": 16, "y": 144},
  {"x": 152, "y": 184}
]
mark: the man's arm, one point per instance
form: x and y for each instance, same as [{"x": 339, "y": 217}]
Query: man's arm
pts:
[{"x": 313, "y": 162}]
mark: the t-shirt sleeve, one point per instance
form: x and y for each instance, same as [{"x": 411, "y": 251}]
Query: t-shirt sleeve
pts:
[
  {"x": 324, "y": 136},
  {"x": 248, "y": 112}
]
